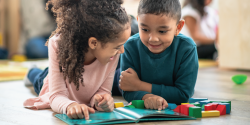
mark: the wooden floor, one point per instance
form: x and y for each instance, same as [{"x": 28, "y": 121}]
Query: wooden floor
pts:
[{"x": 212, "y": 83}]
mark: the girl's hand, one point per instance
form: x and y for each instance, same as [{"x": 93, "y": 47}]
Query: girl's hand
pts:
[
  {"x": 104, "y": 102},
  {"x": 154, "y": 102},
  {"x": 129, "y": 80},
  {"x": 79, "y": 111}
]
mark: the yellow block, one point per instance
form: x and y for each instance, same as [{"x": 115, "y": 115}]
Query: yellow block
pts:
[
  {"x": 19, "y": 58},
  {"x": 119, "y": 104},
  {"x": 184, "y": 103},
  {"x": 210, "y": 113}
]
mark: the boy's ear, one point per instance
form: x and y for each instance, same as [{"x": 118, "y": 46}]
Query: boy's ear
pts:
[
  {"x": 137, "y": 18},
  {"x": 92, "y": 42},
  {"x": 179, "y": 27}
]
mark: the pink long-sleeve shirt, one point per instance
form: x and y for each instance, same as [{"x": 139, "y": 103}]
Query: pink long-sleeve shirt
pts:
[{"x": 57, "y": 93}]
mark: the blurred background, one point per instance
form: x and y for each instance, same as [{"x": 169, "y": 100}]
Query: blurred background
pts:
[{"x": 220, "y": 29}]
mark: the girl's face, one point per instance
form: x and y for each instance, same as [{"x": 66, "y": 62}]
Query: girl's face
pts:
[{"x": 106, "y": 53}]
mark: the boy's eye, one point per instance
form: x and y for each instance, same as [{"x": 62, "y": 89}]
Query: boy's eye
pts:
[
  {"x": 118, "y": 48},
  {"x": 162, "y": 31},
  {"x": 144, "y": 30}
]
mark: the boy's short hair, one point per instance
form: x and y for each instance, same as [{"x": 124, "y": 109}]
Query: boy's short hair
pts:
[{"x": 171, "y": 8}]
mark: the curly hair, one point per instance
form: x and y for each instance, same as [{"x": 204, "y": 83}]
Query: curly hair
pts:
[{"x": 77, "y": 21}]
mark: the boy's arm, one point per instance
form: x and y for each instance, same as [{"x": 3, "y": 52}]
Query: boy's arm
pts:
[
  {"x": 185, "y": 79},
  {"x": 128, "y": 61}
]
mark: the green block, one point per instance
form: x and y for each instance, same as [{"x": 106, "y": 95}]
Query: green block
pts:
[
  {"x": 138, "y": 104},
  {"x": 130, "y": 106},
  {"x": 196, "y": 104},
  {"x": 195, "y": 112}
]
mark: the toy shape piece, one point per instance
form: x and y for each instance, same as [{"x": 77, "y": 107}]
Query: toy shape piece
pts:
[
  {"x": 227, "y": 107},
  {"x": 193, "y": 100},
  {"x": 210, "y": 113},
  {"x": 195, "y": 112},
  {"x": 222, "y": 109},
  {"x": 171, "y": 106},
  {"x": 119, "y": 104},
  {"x": 138, "y": 104}
]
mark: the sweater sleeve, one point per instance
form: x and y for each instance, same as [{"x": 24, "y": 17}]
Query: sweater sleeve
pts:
[
  {"x": 127, "y": 62},
  {"x": 59, "y": 100},
  {"x": 185, "y": 80},
  {"x": 106, "y": 87}
]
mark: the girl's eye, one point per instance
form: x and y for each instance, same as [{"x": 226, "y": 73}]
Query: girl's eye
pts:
[
  {"x": 162, "y": 31},
  {"x": 144, "y": 30}
]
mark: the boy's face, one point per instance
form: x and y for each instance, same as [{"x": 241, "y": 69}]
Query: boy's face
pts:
[{"x": 157, "y": 31}]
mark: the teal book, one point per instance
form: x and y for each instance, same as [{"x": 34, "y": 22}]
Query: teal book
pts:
[{"x": 126, "y": 115}]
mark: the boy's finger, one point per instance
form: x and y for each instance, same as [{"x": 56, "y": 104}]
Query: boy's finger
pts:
[
  {"x": 85, "y": 112},
  {"x": 159, "y": 104},
  {"x": 165, "y": 104}
]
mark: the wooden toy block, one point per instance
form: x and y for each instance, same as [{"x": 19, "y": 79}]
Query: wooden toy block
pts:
[
  {"x": 177, "y": 109},
  {"x": 222, "y": 109},
  {"x": 184, "y": 103},
  {"x": 185, "y": 109},
  {"x": 195, "y": 112},
  {"x": 193, "y": 100},
  {"x": 227, "y": 107},
  {"x": 214, "y": 105},
  {"x": 196, "y": 104},
  {"x": 119, "y": 104},
  {"x": 19, "y": 58},
  {"x": 208, "y": 107},
  {"x": 204, "y": 102},
  {"x": 221, "y": 101},
  {"x": 171, "y": 106},
  {"x": 130, "y": 106},
  {"x": 138, "y": 104},
  {"x": 210, "y": 113},
  {"x": 203, "y": 107}
]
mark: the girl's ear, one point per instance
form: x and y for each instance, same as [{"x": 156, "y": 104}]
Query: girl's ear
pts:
[
  {"x": 92, "y": 42},
  {"x": 179, "y": 27}
]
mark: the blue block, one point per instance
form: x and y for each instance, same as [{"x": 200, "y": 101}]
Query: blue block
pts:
[
  {"x": 171, "y": 106},
  {"x": 227, "y": 107},
  {"x": 193, "y": 100},
  {"x": 204, "y": 102}
]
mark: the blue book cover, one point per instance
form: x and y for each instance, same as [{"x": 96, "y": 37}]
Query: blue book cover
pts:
[{"x": 126, "y": 115}]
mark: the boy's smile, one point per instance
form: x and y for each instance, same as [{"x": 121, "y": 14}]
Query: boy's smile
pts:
[{"x": 157, "y": 31}]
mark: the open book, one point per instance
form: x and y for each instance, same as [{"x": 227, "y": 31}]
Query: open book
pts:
[{"x": 126, "y": 115}]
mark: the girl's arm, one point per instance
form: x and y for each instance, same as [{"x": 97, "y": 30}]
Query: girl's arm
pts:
[{"x": 59, "y": 100}]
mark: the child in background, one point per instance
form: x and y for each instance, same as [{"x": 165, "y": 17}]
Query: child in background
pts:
[
  {"x": 83, "y": 54},
  {"x": 159, "y": 65},
  {"x": 201, "y": 24}
]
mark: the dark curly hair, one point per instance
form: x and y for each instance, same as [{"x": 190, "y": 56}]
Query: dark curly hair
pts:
[{"x": 77, "y": 21}]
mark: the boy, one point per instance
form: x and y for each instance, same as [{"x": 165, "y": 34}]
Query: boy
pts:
[{"x": 159, "y": 64}]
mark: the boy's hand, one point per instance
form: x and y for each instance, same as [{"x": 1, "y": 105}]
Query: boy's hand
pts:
[
  {"x": 104, "y": 102},
  {"x": 129, "y": 80},
  {"x": 79, "y": 111},
  {"x": 154, "y": 102}
]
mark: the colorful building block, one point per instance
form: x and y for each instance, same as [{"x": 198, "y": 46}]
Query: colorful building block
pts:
[
  {"x": 210, "y": 113},
  {"x": 195, "y": 112},
  {"x": 222, "y": 109},
  {"x": 130, "y": 106},
  {"x": 171, "y": 106},
  {"x": 204, "y": 102},
  {"x": 227, "y": 107},
  {"x": 185, "y": 109},
  {"x": 177, "y": 109},
  {"x": 184, "y": 103},
  {"x": 138, "y": 104},
  {"x": 193, "y": 100},
  {"x": 208, "y": 107},
  {"x": 221, "y": 101},
  {"x": 119, "y": 104},
  {"x": 203, "y": 107},
  {"x": 196, "y": 104}
]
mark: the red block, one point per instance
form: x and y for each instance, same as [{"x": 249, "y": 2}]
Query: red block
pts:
[
  {"x": 185, "y": 109},
  {"x": 177, "y": 109},
  {"x": 222, "y": 109},
  {"x": 214, "y": 105},
  {"x": 208, "y": 107}
]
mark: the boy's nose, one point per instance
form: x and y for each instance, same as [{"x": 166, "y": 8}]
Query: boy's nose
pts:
[{"x": 153, "y": 37}]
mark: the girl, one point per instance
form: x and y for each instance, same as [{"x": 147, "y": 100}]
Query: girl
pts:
[
  {"x": 201, "y": 23},
  {"x": 83, "y": 55}
]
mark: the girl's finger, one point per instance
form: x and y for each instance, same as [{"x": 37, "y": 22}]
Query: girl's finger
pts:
[
  {"x": 79, "y": 112},
  {"x": 73, "y": 113},
  {"x": 85, "y": 112},
  {"x": 91, "y": 110}
]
